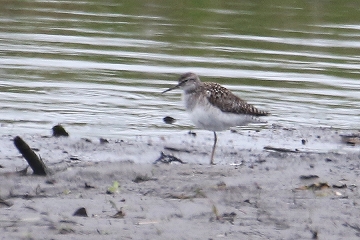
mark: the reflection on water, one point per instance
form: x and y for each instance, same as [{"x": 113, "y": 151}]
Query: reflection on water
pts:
[{"x": 99, "y": 67}]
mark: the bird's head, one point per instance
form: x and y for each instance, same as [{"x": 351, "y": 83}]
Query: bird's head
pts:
[{"x": 187, "y": 82}]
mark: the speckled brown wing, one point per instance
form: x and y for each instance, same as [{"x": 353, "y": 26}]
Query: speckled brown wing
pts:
[{"x": 226, "y": 101}]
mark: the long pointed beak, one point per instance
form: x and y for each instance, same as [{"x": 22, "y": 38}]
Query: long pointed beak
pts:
[{"x": 172, "y": 88}]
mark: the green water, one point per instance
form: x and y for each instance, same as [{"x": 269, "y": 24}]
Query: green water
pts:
[{"x": 98, "y": 67}]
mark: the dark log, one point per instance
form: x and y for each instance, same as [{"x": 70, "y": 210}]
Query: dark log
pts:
[{"x": 30, "y": 156}]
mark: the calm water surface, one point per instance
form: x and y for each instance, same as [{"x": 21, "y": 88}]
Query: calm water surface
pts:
[{"x": 98, "y": 67}]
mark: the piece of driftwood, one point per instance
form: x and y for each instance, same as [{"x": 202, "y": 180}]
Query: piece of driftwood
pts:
[
  {"x": 169, "y": 120},
  {"x": 164, "y": 158},
  {"x": 81, "y": 212},
  {"x": 6, "y": 203},
  {"x": 287, "y": 150},
  {"x": 351, "y": 139},
  {"x": 307, "y": 177},
  {"x": 177, "y": 149},
  {"x": 36, "y": 164},
  {"x": 59, "y": 131},
  {"x": 276, "y": 149}
]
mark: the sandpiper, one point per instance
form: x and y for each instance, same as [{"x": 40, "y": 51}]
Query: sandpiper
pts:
[{"x": 214, "y": 107}]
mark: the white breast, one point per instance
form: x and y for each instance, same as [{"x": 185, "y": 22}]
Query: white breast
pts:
[{"x": 205, "y": 116}]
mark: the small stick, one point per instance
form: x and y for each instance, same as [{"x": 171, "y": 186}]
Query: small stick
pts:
[
  {"x": 36, "y": 164},
  {"x": 280, "y": 149}
]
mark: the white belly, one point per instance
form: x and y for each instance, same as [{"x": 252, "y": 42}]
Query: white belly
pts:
[{"x": 213, "y": 119}]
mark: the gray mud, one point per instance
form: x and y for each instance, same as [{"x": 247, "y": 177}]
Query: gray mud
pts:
[{"x": 251, "y": 193}]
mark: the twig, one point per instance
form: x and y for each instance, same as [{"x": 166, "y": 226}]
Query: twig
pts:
[{"x": 280, "y": 149}]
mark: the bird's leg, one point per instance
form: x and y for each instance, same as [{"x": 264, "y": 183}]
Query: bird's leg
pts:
[{"x": 213, "y": 150}]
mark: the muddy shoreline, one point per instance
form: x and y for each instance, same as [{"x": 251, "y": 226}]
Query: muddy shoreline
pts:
[{"x": 310, "y": 192}]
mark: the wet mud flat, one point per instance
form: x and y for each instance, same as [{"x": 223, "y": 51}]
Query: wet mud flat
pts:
[{"x": 278, "y": 183}]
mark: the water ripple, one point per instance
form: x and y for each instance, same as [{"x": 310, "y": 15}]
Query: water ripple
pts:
[{"x": 99, "y": 68}]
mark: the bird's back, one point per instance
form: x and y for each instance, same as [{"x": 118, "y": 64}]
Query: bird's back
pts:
[{"x": 227, "y": 102}]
